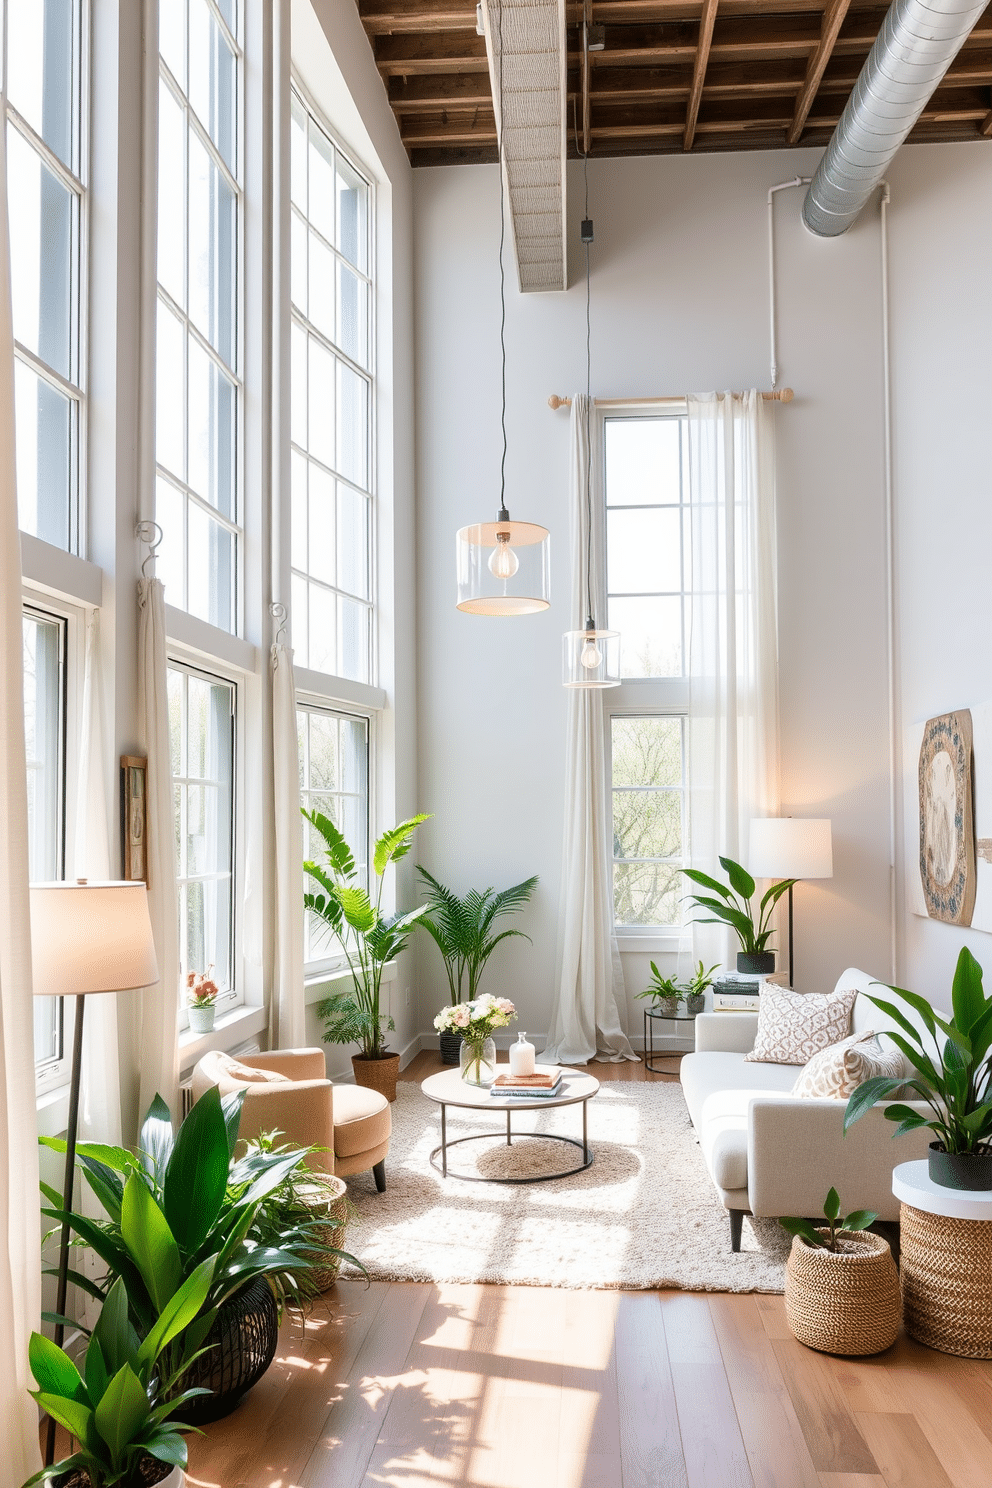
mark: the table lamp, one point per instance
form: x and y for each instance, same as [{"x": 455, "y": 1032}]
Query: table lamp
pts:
[
  {"x": 790, "y": 847},
  {"x": 86, "y": 938}
]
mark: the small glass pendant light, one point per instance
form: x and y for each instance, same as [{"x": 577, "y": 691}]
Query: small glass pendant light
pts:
[
  {"x": 590, "y": 657},
  {"x": 503, "y": 567}
]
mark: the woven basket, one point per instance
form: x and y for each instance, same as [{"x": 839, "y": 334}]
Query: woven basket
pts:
[
  {"x": 947, "y": 1282},
  {"x": 843, "y": 1303},
  {"x": 330, "y": 1198},
  {"x": 377, "y": 1074}
]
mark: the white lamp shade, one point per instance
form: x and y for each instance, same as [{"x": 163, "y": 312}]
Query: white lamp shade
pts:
[
  {"x": 790, "y": 847},
  {"x": 91, "y": 937},
  {"x": 504, "y": 568},
  {"x": 591, "y": 658}
]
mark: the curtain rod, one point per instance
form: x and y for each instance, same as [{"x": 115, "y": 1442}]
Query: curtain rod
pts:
[{"x": 780, "y": 395}]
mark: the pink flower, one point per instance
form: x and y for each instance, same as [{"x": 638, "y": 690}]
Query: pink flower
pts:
[
  {"x": 462, "y": 1017},
  {"x": 505, "y": 1006}
]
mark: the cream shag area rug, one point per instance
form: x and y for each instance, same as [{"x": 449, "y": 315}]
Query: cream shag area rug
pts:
[{"x": 644, "y": 1215}]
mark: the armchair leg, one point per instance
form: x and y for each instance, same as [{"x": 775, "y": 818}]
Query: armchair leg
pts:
[
  {"x": 736, "y": 1227},
  {"x": 379, "y": 1174}
]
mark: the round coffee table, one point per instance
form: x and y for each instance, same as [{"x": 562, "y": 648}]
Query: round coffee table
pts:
[{"x": 449, "y": 1089}]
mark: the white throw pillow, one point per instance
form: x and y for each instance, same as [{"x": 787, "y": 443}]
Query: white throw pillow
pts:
[
  {"x": 793, "y": 1026},
  {"x": 249, "y": 1075},
  {"x": 837, "y": 1072}
]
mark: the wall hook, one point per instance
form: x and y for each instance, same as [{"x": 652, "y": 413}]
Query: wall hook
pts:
[
  {"x": 280, "y": 615},
  {"x": 151, "y": 533}
]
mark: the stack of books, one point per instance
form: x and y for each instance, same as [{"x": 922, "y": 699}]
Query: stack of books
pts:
[
  {"x": 544, "y": 1083},
  {"x": 734, "y": 993}
]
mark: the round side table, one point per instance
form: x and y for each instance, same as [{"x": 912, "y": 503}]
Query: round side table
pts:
[
  {"x": 945, "y": 1263},
  {"x": 651, "y": 1054}
]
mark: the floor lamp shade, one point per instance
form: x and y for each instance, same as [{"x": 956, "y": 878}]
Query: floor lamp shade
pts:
[
  {"x": 91, "y": 937},
  {"x": 790, "y": 847},
  {"x": 504, "y": 568}
]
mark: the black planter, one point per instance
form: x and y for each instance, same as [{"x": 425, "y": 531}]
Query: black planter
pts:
[
  {"x": 969, "y": 1170},
  {"x": 761, "y": 963},
  {"x": 451, "y": 1044},
  {"x": 240, "y": 1347}
]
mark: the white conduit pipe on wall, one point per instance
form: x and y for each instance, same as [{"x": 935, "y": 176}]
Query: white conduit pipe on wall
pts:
[
  {"x": 888, "y": 503},
  {"x": 918, "y": 41}
]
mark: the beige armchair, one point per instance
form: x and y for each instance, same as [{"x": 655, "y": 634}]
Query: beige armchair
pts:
[{"x": 288, "y": 1090}]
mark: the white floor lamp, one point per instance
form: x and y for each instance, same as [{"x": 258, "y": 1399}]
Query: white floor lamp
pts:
[
  {"x": 86, "y": 938},
  {"x": 790, "y": 847}
]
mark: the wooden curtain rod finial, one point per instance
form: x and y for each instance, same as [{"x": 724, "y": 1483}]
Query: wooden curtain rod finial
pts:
[{"x": 779, "y": 395}]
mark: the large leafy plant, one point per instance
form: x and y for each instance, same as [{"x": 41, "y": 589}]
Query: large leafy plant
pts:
[
  {"x": 183, "y": 1201},
  {"x": 118, "y": 1409},
  {"x": 952, "y": 1076},
  {"x": 733, "y": 906},
  {"x": 464, "y": 929},
  {"x": 368, "y": 937},
  {"x": 836, "y": 1226}
]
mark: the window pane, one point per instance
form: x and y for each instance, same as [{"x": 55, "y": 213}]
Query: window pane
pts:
[
  {"x": 353, "y": 426},
  {"x": 334, "y": 779},
  {"x": 212, "y": 251},
  {"x": 170, "y": 564},
  {"x": 172, "y": 38},
  {"x": 642, "y": 461},
  {"x": 321, "y": 287},
  {"x": 353, "y": 215},
  {"x": 647, "y": 894},
  {"x": 647, "y": 824},
  {"x": 320, "y": 426},
  {"x": 353, "y": 535},
  {"x": 353, "y": 315},
  {"x": 211, "y": 569},
  {"x": 320, "y": 195},
  {"x": 322, "y": 630},
  {"x": 647, "y": 751},
  {"x": 41, "y": 256},
  {"x": 213, "y": 84},
  {"x": 650, "y": 636},
  {"x": 321, "y": 549},
  {"x": 298, "y": 510},
  {"x": 45, "y": 422},
  {"x": 212, "y": 405},
  {"x": 43, "y": 727},
  {"x": 301, "y": 621},
  {"x": 323, "y": 752},
  {"x": 171, "y": 195},
  {"x": 298, "y": 263},
  {"x": 300, "y": 383},
  {"x": 353, "y": 639},
  {"x": 41, "y": 39},
  {"x": 298, "y": 155},
  {"x": 644, "y": 551},
  {"x": 170, "y": 379}
]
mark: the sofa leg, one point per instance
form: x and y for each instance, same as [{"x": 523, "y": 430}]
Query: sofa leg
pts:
[
  {"x": 379, "y": 1174},
  {"x": 736, "y": 1228}
]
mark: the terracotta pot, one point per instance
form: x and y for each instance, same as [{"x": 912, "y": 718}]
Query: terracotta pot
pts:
[
  {"x": 846, "y": 1302},
  {"x": 377, "y": 1074}
]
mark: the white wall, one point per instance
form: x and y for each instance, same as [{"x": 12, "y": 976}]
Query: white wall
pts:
[{"x": 680, "y": 302}]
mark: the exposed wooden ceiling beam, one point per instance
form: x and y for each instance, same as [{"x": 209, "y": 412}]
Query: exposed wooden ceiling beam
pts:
[
  {"x": 833, "y": 18},
  {"x": 387, "y": 17},
  {"x": 985, "y": 127},
  {"x": 706, "y": 22}
]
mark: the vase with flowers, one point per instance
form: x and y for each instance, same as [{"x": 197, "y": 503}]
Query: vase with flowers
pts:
[
  {"x": 477, "y": 1021},
  {"x": 201, "y": 1000}
]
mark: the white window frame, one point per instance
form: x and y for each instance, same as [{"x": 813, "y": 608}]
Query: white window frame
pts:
[
  {"x": 645, "y": 697},
  {"x": 212, "y": 670},
  {"x": 78, "y": 185}
]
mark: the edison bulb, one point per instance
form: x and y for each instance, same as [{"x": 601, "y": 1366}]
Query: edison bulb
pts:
[
  {"x": 591, "y": 655},
  {"x": 503, "y": 561}
]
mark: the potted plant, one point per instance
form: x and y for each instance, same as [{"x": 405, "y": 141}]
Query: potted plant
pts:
[
  {"x": 463, "y": 931},
  {"x": 841, "y": 1285},
  {"x": 953, "y": 1079},
  {"x": 733, "y": 908},
  {"x": 696, "y": 987},
  {"x": 666, "y": 992},
  {"x": 201, "y": 1000},
  {"x": 118, "y": 1409},
  {"x": 314, "y": 1207},
  {"x": 368, "y": 938},
  {"x": 476, "y": 1021}
]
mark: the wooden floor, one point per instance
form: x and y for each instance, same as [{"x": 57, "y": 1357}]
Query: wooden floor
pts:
[{"x": 524, "y": 1387}]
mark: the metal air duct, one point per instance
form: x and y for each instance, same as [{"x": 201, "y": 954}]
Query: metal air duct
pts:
[{"x": 918, "y": 41}]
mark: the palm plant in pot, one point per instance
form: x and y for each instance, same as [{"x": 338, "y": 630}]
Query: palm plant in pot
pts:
[
  {"x": 733, "y": 907},
  {"x": 953, "y": 1077},
  {"x": 368, "y": 939},
  {"x": 464, "y": 931}
]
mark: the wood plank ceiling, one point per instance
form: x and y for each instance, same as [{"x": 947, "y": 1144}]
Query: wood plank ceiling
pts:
[{"x": 674, "y": 76}]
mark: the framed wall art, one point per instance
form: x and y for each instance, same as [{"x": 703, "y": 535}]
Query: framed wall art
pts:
[{"x": 133, "y": 816}]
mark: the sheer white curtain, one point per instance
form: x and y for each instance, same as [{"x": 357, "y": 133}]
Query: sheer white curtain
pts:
[
  {"x": 20, "y": 1255},
  {"x": 159, "y": 1059},
  {"x": 287, "y": 1013},
  {"x": 733, "y": 755},
  {"x": 587, "y": 1020}
]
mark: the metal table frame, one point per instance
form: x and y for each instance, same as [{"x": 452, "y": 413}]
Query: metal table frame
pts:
[
  {"x": 650, "y": 1018},
  {"x": 441, "y": 1166}
]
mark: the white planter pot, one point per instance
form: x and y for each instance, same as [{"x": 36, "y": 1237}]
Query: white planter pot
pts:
[
  {"x": 176, "y": 1479},
  {"x": 201, "y": 1019}
]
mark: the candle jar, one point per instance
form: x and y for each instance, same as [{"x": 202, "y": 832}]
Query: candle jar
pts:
[{"x": 522, "y": 1057}]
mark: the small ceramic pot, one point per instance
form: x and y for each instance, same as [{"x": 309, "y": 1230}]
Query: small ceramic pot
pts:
[
  {"x": 668, "y": 1007},
  {"x": 201, "y": 1019},
  {"x": 964, "y": 1170}
]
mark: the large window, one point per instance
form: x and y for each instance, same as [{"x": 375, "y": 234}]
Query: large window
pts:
[
  {"x": 198, "y": 381},
  {"x": 331, "y": 406},
  {"x": 647, "y": 567},
  {"x": 44, "y": 739},
  {"x": 43, "y": 95},
  {"x": 334, "y": 779},
  {"x": 202, "y": 733}
]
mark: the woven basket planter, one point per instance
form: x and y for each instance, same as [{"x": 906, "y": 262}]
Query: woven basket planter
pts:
[
  {"x": 377, "y": 1074},
  {"x": 330, "y": 1199},
  {"x": 239, "y": 1349},
  {"x": 947, "y": 1282},
  {"x": 845, "y": 1302}
]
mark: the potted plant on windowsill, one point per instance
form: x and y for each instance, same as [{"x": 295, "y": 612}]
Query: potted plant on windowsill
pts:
[
  {"x": 201, "y": 1000},
  {"x": 733, "y": 908},
  {"x": 953, "y": 1079},
  {"x": 665, "y": 992},
  {"x": 463, "y": 929},
  {"x": 368, "y": 938}
]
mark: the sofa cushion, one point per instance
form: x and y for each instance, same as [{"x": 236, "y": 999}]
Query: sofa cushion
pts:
[
  {"x": 704, "y": 1074},
  {"x": 793, "y": 1026},
  {"x": 717, "y": 1088},
  {"x": 246, "y": 1074},
  {"x": 836, "y": 1073},
  {"x": 362, "y": 1119}
]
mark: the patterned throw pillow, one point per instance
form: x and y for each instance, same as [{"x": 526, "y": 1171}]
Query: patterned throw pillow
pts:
[
  {"x": 793, "y": 1026},
  {"x": 838, "y": 1071}
]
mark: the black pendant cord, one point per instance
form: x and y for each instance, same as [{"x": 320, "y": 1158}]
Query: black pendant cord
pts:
[{"x": 503, "y": 513}]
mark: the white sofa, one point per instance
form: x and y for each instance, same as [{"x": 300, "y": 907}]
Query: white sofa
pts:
[{"x": 772, "y": 1153}]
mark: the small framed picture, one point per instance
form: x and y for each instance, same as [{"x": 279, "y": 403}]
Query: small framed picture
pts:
[{"x": 133, "y": 773}]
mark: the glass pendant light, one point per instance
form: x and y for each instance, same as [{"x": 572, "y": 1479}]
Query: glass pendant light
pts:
[
  {"x": 503, "y": 567},
  {"x": 590, "y": 657}
]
